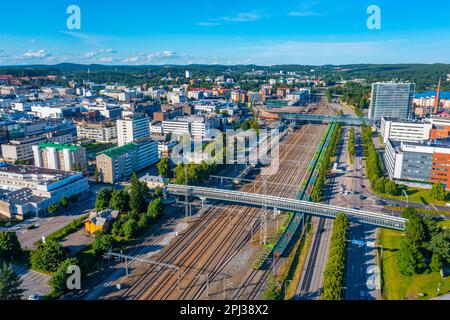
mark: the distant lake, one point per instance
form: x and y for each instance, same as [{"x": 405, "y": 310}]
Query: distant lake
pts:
[{"x": 444, "y": 94}]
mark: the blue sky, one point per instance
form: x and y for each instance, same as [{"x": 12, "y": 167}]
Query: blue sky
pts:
[{"x": 264, "y": 32}]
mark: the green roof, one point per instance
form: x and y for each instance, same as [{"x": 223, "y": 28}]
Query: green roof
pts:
[
  {"x": 58, "y": 146},
  {"x": 115, "y": 152}
]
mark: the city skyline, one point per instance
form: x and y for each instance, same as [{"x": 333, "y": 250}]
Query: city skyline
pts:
[{"x": 269, "y": 33}]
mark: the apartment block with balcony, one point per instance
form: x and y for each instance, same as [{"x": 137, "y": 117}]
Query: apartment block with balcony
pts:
[{"x": 60, "y": 157}]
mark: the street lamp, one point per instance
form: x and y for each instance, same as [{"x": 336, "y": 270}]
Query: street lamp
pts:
[{"x": 406, "y": 195}]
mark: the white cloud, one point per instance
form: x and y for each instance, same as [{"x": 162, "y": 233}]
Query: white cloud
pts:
[
  {"x": 241, "y": 17},
  {"x": 92, "y": 54},
  {"x": 208, "y": 24},
  {"x": 304, "y": 14},
  {"x": 130, "y": 60},
  {"x": 167, "y": 54},
  {"x": 105, "y": 59},
  {"x": 36, "y": 54}
]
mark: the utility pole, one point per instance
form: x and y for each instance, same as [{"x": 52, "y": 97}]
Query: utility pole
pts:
[{"x": 186, "y": 197}]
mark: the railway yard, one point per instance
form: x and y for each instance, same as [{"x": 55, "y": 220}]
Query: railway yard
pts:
[{"x": 212, "y": 254}]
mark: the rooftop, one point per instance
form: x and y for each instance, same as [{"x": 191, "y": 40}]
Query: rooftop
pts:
[
  {"x": 58, "y": 146},
  {"x": 115, "y": 152}
]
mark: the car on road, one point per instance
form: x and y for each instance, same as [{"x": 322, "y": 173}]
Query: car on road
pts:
[
  {"x": 362, "y": 197},
  {"x": 380, "y": 202},
  {"x": 36, "y": 296}
]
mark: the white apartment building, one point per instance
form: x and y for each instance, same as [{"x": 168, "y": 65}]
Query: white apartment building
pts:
[
  {"x": 98, "y": 132},
  {"x": 407, "y": 131},
  {"x": 176, "y": 97},
  {"x": 193, "y": 126},
  {"x": 20, "y": 150},
  {"x": 60, "y": 157},
  {"x": 54, "y": 111},
  {"x": 156, "y": 128},
  {"x": 132, "y": 129}
]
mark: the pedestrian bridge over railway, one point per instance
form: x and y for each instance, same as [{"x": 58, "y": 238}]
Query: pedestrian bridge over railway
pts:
[
  {"x": 280, "y": 203},
  {"x": 324, "y": 118}
]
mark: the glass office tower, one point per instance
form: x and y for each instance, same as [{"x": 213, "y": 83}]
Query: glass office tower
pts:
[{"x": 392, "y": 100}]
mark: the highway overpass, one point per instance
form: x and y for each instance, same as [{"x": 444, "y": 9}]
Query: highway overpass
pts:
[{"x": 324, "y": 118}]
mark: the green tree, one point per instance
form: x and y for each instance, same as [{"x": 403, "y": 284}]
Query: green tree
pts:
[
  {"x": 409, "y": 212},
  {"x": 164, "y": 167},
  {"x": 438, "y": 191},
  {"x": 155, "y": 209},
  {"x": 120, "y": 200},
  {"x": 410, "y": 260},
  {"x": 179, "y": 174},
  {"x": 138, "y": 193},
  {"x": 53, "y": 208},
  {"x": 58, "y": 281},
  {"x": 10, "y": 284},
  {"x": 102, "y": 243},
  {"x": 158, "y": 193},
  {"x": 390, "y": 187},
  {"x": 440, "y": 245},
  {"x": 130, "y": 229},
  {"x": 273, "y": 289},
  {"x": 144, "y": 221},
  {"x": 48, "y": 257},
  {"x": 73, "y": 198},
  {"x": 380, "y": 185},
  {"x": 64, "y": 202},
  {"x": 97, "y": 175},
  {"x": 436, "y": 263},
  {"x": 415, "y": 231},
  {"x": 9, "y": 246},
  {"x": 103, "y": 199}
]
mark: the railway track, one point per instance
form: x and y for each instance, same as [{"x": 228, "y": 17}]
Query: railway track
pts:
[{"x": 211, "y": 242}]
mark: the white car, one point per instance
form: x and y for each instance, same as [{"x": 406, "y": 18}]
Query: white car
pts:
[{"x": 35, "y": 297}]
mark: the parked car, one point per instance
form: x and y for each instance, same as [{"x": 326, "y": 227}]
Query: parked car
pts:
[{"x": 35, "y": 296}]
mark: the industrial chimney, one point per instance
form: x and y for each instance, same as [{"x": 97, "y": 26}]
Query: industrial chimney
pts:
[{"x": 438, "y": 98}]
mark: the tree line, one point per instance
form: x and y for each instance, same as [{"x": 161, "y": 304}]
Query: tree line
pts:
[
  {"x": 425, "y": 247},
  {"x": 334, "y": 274},
  {"x": 318, "y": 190}
]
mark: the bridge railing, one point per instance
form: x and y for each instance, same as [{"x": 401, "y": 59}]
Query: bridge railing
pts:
[{"x": 311, "y": 208}]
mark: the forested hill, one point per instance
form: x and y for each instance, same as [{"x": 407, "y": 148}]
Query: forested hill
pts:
[{"x": 425, "y": 75}]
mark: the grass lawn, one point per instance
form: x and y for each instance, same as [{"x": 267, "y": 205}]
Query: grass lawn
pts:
[
  {"x": 444, "y": 223},
  {"x": 399, "y": 287},
  {"x": 421, "y": 211},
  {"x": 417, "y": 195}
]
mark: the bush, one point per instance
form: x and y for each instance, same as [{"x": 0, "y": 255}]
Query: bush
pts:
[
  {"x": 9, "y": 246},
  {"x": 53, "y": 208},
  {"x": 102, "y": 243},
  {"x": 48, "y": 257},
  {"x": 73, "y": 198},
  {"x": 64, "y": 202},
  {"x": 58, "y": 282},
  {"x": 436, "y": 263},
  {"x": 130, "y": 229}
]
